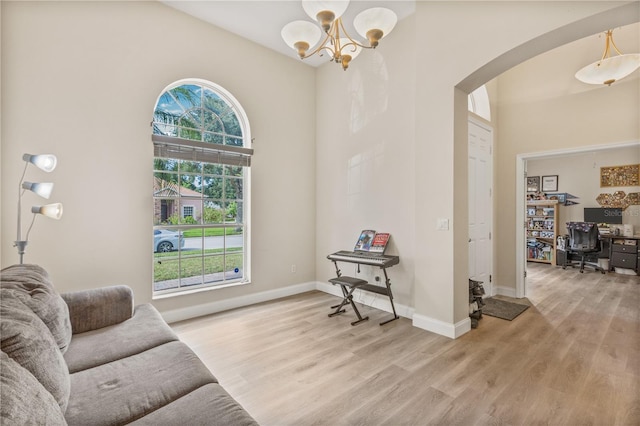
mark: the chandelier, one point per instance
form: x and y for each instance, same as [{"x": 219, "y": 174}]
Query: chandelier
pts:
[
  {"x": 609, "y": 69},
  {"x": 372, "y": 24}
]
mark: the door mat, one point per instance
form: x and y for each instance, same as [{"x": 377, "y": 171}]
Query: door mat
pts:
[{"x": 502, "y": 309}]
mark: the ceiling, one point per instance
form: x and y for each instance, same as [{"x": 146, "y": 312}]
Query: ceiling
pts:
[{"x": 261, "y": 21}]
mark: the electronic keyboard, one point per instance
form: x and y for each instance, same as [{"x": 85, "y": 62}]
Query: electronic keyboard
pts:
[{"x": 364, "y": 258}]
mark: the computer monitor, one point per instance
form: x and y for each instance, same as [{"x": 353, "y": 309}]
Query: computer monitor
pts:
[{"x": 603, "y": 215}]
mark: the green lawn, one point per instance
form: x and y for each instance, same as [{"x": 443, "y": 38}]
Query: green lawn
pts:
[
  {"x": 210, "y": 232},
  {"x": 169, "y": 266}
]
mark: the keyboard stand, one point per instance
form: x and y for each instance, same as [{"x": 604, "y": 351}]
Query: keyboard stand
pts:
[{"x": 349, "y": 285}]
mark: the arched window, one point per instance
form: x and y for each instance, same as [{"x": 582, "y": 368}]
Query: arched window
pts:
[
  {"x": 202, "y": 157},
  {"x": 478, "y": 103}
]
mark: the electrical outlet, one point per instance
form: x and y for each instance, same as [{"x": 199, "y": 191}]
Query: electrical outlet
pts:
[{"x": 293, "y": 269}]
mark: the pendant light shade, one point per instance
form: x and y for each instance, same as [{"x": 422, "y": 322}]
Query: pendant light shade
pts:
[
  {"x": 314, "y": 7},
  {"x": 375, "y": 23},
  {"x": 609, "y": 70},
  {"x": 301, "y": 35}
]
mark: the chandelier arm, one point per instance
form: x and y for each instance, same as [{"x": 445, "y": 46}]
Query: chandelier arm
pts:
[
  {"x": 354, "y": 43},
  {"x": 320, "y": 47},
  {"x": 351, "y": 39}
]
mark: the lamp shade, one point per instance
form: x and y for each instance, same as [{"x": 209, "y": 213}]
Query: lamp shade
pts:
[
  {"x": 376, "y": 18},
  {"x": 54, "y": 211},
  {"x": 300, "y": 31},
  {"x": 42, "y": 189},
  {"x": 46, "y": 162},
  {"x": 609, "y": 70},
  {"x": 313, "y": 7}
]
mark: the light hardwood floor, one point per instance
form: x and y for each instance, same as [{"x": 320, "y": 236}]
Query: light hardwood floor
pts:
[{"x": 572, "y": 358}]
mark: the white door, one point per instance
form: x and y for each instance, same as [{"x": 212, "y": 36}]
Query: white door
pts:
[{"x": 480, "y": 204}]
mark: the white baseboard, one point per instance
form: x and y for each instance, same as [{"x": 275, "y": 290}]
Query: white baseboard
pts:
[
  {"x": 446, "y": 329},
  {"x": 505, "y": 291},
  {"x": 366, "y": 298},
  {"x": 235, "y": 302}
]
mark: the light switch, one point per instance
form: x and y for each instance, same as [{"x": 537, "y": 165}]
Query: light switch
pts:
[{"x": 443, "y": 225}]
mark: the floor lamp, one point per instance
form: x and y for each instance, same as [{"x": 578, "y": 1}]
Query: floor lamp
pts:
[{"x": 47, "y": 163}]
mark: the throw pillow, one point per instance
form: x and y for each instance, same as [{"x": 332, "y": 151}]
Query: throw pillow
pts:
[
  {"x": 25, "y": 339},
  {"x": 24, "y": 400},
  {"x": 35, "y": 289}
]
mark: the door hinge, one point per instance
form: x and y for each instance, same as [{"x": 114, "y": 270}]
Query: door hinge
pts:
[
  {"x": 490, "y": 278},
  {"x": 489, "y": 235},
  {"x": 525, "y": 274}
]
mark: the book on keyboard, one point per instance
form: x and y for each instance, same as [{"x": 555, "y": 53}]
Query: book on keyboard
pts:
[{"x": 371, "y": 241}]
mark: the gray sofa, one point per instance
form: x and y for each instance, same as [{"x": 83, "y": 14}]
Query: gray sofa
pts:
[{"x": 92, "y": 358}]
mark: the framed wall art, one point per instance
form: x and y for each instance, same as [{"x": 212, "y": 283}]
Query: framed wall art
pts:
[
  {"x": 620, "y": 175},
  {"x": 533, "y": 183},
  {"x": 549, "y": 183}
]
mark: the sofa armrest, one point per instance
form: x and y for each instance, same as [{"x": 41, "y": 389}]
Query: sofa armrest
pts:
[{"x": 100, "y": 307}]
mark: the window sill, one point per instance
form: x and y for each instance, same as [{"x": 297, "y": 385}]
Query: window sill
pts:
[{"x": 158, "y": 296}]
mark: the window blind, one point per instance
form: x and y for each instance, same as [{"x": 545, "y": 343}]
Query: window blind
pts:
[{"x": 186, "y": 149}]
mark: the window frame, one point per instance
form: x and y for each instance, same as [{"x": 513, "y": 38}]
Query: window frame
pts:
[{"x": 181, "y": 149}]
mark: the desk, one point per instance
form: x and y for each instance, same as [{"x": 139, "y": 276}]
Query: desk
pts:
[
  {"x": 620, "y": 255},
  {"x": 623, "y": 252},
  {"x": 350, "y": 284}
]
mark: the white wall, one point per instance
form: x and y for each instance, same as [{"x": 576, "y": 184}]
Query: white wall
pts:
[
  {"x": 365, "y": 157},
  {"x": 579, "y": 175},
  {"x": 81, "y": 79}
]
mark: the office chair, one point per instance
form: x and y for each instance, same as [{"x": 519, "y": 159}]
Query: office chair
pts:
[{"x": 584, "y": 240}]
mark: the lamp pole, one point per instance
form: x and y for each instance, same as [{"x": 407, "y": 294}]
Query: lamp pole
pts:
[{"x": 19, "y": 243}]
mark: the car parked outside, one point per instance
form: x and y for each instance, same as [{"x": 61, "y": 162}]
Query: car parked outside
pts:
[{"x": 165, "y": 240}]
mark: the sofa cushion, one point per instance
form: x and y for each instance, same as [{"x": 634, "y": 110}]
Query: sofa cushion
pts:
[
  {"x": 24, "y": 400},
  {"x": 33, "y": 286},
  {"x": 145, "y": 330},
  {"x": 26, "y": 340},
  {"x": 208, "y": 405},
  {"x": 127, "y": 389}
]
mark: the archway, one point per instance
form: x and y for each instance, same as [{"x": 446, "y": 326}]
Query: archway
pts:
[{"x": 623, "y": 15}]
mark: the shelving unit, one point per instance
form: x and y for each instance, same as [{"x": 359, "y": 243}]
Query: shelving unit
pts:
[{"x": 542, "y": 231}]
